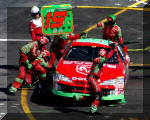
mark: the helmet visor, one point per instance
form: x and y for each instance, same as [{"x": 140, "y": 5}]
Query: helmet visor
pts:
[
  {"x": 35, "y": 14},
  {"x": 110, "y": 19}
]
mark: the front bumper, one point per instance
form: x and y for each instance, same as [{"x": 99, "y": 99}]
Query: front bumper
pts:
[
  {"x": 71, "y": 95},
  {"x": 67, "y": 94}
]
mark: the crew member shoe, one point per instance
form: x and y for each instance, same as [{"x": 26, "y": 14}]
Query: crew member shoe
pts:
[
  {"x": 10, "y": 90},
  {"x": 9, "y": 93},
  {"x": 93, "y": 109}
]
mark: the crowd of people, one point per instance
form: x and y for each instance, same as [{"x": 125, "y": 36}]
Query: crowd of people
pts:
[{"x": 35, "y": 59}]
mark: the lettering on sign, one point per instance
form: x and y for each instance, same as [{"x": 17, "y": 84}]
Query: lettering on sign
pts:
[{"x": 57, "y": 18}]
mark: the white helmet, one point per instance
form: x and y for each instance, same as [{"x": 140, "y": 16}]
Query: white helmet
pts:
[{"x": 35, "y": 9}]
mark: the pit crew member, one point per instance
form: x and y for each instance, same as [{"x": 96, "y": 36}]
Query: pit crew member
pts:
[
  {"x": 29, "y": 53},
  {"x": 111, "y": 31},
  {"x": 95, "y": 75},
  {"x": 58, "y": 45},
  {"x": 35, "y": 25},
  {"x": 42, "y": 61}
]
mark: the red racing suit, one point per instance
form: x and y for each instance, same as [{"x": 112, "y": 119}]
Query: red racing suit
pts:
[
  {"x": 40, "y": 63},
  {"x": 36, "y": 29},
  {"x": 94, "y": 75},
  {"x": 28, "y": 53},
  {"x": 58, "y": 46},
  {"x": 113, "y": 33}
]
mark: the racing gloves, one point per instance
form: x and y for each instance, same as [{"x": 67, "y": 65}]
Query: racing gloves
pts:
[
  {"x": 100, "y": 25},
  {"x": 29, "y": 66}
]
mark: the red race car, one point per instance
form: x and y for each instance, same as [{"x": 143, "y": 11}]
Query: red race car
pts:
[{"x": 72, "y": 69}]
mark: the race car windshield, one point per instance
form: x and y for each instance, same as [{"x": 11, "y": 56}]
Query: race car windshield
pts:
[{"x": 88, "y": 53}]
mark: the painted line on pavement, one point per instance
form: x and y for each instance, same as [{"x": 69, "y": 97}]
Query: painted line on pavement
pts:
[
  {"x": 117, "y": 13},
  {"x": 24, "y": 104},
  {"x": 15, "y": 40},
  {"x": 145, "y": 49},
  {"x": 109, "y": 7},
  {"x": 135, "y": 50},
  {"x": 140, "y": 65}
]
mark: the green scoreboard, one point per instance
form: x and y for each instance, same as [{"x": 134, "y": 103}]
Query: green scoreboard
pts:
[{"x": 57, "y": 19}]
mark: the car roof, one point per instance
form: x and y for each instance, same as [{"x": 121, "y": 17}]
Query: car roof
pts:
[{"x": 91, "y": 42}]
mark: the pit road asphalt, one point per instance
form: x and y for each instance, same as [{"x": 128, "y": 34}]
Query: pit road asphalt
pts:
[{"x": 50, "y": 107}]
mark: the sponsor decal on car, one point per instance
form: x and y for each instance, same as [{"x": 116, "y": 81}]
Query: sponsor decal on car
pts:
[
  {"x": 110, "y": 66},
  {"x": 67, "y": 62},
  {"x": 77, "y": 62},
  {"x": 83, "y": 69},
  {"x": 78, "y": 78},
  {"x": 121, "y": 91},
  {"x": 120, "y": 79},
  {"x": 120, "y": 82}
]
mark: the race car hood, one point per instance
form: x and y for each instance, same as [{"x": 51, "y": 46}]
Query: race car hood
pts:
[
  {"x": 78, "y": 70},
  {"x": 74, "y": 69}
]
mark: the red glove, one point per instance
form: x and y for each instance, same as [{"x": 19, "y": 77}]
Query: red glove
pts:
[
  {"x": 36, "y": 62},
  {"x": 125, "y": 49},
  {"x": 96, "y": 60},
  {"x": 100, "y": 24}
]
